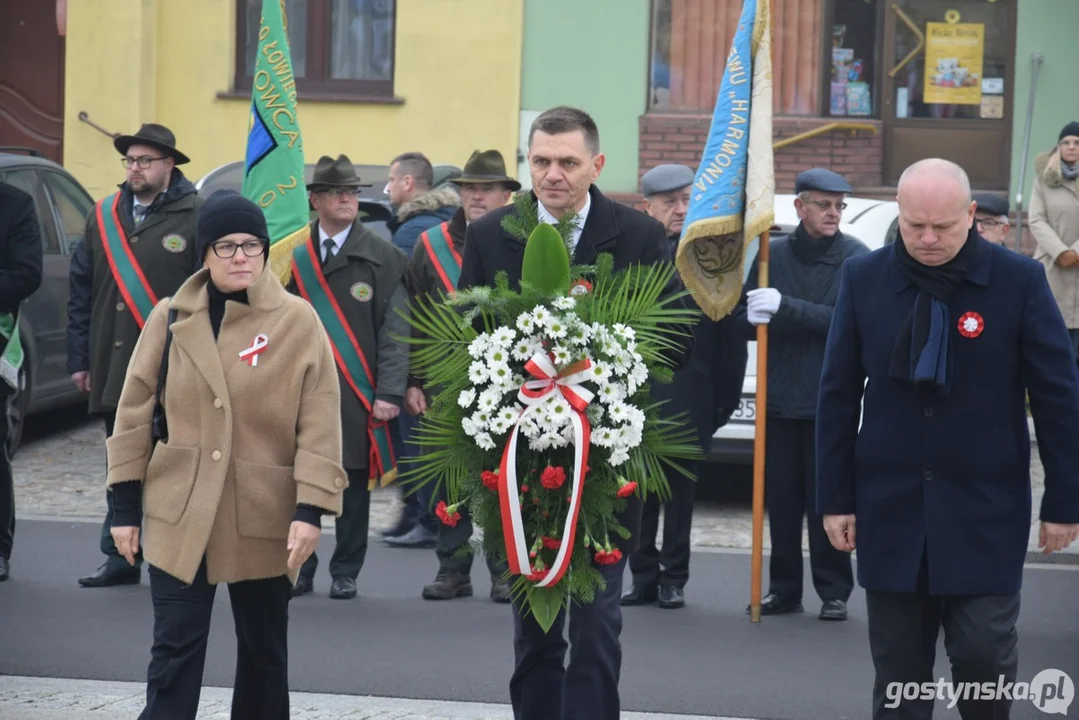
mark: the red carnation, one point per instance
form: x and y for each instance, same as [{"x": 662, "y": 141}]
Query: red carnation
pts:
[
  {"x": 553, "y": 477},
  {"x": 490, "y": 480},
  {"x": 447, "y": 513},
  {"x": 625, "y": 489},
  {"x": 608, "y": 557},
  {"x": 551, "y": 543},
  {"x": 524, "y": 488}
]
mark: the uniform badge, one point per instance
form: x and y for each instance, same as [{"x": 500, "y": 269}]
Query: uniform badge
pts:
[
  {"x": 174, "y": 243},
  {"x": 362, "y": 291},
  {"x": 971, "y": 325}
]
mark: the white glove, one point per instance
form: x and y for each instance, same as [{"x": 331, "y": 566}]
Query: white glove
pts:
[{"x": 762, "y": 304}]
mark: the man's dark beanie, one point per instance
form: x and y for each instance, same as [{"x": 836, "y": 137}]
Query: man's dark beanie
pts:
[
  {"x": 1071, "y": 128},
  {"x": 227, "y": 212}
]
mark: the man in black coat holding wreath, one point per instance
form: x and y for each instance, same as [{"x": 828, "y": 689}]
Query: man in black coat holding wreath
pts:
[{"x": 564, "y": 158}]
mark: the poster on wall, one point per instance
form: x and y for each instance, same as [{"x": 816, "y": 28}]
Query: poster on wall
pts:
[{"x": 953, "y": 63}]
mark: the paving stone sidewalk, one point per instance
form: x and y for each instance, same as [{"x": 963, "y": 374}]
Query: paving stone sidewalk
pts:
[{"x": 60, "y": 473}]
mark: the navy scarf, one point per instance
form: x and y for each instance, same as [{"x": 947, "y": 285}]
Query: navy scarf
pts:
[{"x": 921, "y": 354}]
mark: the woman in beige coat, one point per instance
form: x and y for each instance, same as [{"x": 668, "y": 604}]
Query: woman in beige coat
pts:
[
  {"x": 252, "y": 459},
  {"x": 1054, "y": 222}
]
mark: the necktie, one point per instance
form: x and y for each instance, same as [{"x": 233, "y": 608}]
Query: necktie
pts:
[
  {"x": 140, "y": 213},
  {"x": 329, "y": 249}
]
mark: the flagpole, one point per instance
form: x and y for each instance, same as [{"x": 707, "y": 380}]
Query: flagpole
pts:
[{"x": 760, "y": 419}]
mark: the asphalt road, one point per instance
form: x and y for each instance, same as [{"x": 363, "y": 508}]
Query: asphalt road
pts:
[{"x": 707, "y": 659}]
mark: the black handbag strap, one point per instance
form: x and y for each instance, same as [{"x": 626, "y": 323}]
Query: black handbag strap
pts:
[{"x": 165, "y": 356}]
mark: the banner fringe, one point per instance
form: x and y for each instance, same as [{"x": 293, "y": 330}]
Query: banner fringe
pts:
[{"x": 281, "y": 253}]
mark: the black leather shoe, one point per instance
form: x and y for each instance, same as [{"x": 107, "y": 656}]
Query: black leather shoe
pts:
[
  {"x": 501, "y": 592},
  {"x": 303, "y": 586},
  {"x": 772, "y": 604},
  {"x": 343, "y": 588},
  {"x": 640, "y": 595},
  {"x": 671, "y": 597},
  {"x": 447, "y": 586},
  {"x": 417, "y": 537},
  {"x": 5, "y": 569},
  {"x": 835, "y": 610},
  {"x": 109, "y": 575}
]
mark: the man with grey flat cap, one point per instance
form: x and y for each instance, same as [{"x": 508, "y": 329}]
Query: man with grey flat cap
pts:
[
  {"x": 707, "y": 389},
  {"x": 139, "y": 247},
  {"x": 797, "y": 306},
  {"x": 991, "y": 217},
  {"x": 433, "y": 270}
]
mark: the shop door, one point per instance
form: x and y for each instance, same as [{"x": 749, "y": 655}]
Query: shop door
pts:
[
  {"x": 947, "y": 90},
  {"x": 32, "y": 77}
]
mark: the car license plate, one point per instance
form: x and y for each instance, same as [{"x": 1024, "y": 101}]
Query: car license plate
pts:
[{"x": 746, "y": 412}]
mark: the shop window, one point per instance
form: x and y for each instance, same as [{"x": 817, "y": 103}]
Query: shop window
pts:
[
  {"x": 691, "y": 39},
  {"x": 852, "y": 59},
  {"x": 340, "y": 48}
]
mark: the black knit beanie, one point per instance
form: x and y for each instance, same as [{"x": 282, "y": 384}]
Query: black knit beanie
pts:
[
  {"x": 1071, "y": 128},
  {"x": 227, "y": 212}
]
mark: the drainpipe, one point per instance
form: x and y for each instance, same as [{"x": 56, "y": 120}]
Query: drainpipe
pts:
[{"x": 1036, "y": 59}]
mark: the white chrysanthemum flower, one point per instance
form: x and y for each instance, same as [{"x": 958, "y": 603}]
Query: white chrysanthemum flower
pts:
[
  {"x": 499, "y": 425},
  {"x": 557, "y": 327},
  {"x": 498, "y": 354},
  {"x": 485, "y": 441},
  {"x": 525, "y": 350},
  {"x": 562, "y": 355},
  {"x": 481, "y": 419},
  {"x": 625, "y": 332},
  {"x": 602, "y": 436},
  {"x": 612, "y": 393},
  {"x": 529, "y": 428},
  {"x": 489, "y": 400},
  {"x": 600, "y": 372},
  {"x": 555, "y": 440},
  {"x": 467, "y": 397},
  {"x": 539, "y": 444},
  {"x": 619, "y": 412},
  {"x": 577, "y": 333},
  {"x": 559, "y": 410},
  {"x": 526, "y": 323},
  {"x": 631, "y": 436},
  {"x": 469, "y": 426},
  {"x": 618, "y": 457},
  {"x": 510, "y": 415},
  {"x": 564, "y": 303},
  {"x": 621, "y": 366},
  {"x": 503, "y": 337},
  {"x": 541, "y": 315},
  {"x": 500, "y": 376},
  {"x": 477, "y": 373},
  {"x": 478, "y": 347}
]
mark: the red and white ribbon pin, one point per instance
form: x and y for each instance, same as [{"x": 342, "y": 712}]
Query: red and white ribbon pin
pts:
[
  {"x": 251, "y": 354},
  {"x": 533, "y": 394}
]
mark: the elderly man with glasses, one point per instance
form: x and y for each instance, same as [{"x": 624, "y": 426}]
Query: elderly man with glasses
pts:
[
  {"x": 139, "y": 247},
  {"x": 797, "y": 307},
  {"x": 991, "y": 217}
]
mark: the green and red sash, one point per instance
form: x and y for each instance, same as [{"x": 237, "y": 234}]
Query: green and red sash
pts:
[
  {"x": 307, "y": 272},
  {"x": 134, "y": 288},
  {"x": 443, "y": 254}
]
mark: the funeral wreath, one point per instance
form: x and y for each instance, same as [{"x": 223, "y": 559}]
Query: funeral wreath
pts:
[{"x": 542, "y": 424}]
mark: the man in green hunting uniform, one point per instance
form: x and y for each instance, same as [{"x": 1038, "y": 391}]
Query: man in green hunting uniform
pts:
[
  {"x": 433, "y": 270},
  {"x": 355, "y": 281},
  {"x": 139, "y": 247}
]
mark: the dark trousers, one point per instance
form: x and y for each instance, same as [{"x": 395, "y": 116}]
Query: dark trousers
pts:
[
  {"x": 181, "y": 628},
  {"x": 350, "y": 529},
  {"x": 669, "y": 565},
  {"x": 979, "y": 637},
  {"x": 7, "y": 479},
  {"x": 790, "y": 492},
  {"x": 454, "y": 549},
  {"x": 419, "y": 508},
  {"x": 112, "y": 555},
  {"x": 542, "y": 688}
]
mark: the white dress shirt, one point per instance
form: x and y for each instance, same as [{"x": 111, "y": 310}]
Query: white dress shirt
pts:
[
  {"x": 338, "y": 241},
  {"x": 546, "y": 216}
]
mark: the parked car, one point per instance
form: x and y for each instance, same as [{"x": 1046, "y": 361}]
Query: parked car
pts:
[
  {"x": 62, "y": 208},
  {"x": 875, "y": 224},
  {"x": 375, "y": 210}
]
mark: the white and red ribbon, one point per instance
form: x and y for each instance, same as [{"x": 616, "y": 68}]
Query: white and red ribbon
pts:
[
  {"x": 535, "y": 393},
  {"x": 251, "y": 354}
]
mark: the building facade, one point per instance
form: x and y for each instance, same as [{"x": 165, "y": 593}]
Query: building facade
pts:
[{"x": 375, "y": 78}]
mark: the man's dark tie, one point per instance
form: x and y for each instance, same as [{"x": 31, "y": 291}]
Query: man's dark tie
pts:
[
  {"x": 329, "y": 249},
  {"x": 140, "y": 213}
]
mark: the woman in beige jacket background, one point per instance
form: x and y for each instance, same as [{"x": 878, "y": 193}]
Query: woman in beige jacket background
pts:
[
  {"x": 251, "y": 461},
  {"x": 1054, "y": 222}
]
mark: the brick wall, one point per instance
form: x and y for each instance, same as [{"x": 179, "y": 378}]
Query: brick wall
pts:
[{"x": 680, "y": 138}]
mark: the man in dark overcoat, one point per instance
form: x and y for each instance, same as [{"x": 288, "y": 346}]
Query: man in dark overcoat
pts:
[
  {"x": 139, "y": 248},
  {"x": 433, "y": 271},
  {"x": 564, "y": 159},
  {"x": 21, "y": 259},
  {"x": 797, "y": 307},
  {"x": 708, "y": 389},
  {"x": 366, "y": 277},
  {"x": 936, "y": 342}
]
